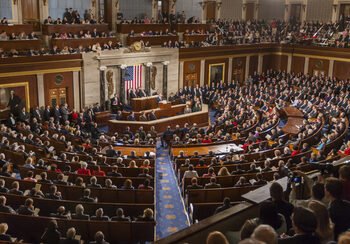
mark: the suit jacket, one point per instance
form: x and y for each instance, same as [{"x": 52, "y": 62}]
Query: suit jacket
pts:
[
  {"x": 80, "y": 216},
  {"x": 300, "y": 239},
  {"x": 339, "y": 211},
  {"x": 116, "y": 218}
]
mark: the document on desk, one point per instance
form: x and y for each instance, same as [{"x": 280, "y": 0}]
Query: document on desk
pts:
[{"x": 263, "y": 193}]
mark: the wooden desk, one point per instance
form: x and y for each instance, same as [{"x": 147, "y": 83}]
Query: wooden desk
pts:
[
  {"x": 17, "y": 28},
  {"x": 144, "y": 103},
  {"x": 85, "y": 42},
  {"x": 160, "y": 113},
  {"x": 195, "y": 38},
  {"x": 293, "y": 112},
  {"x": 75, "y": 29},
  {"x": 204, "y": 149},
  {"x": 139, "y": 28},
  {"x": 153, "y": 40},
  {"x": 184, "y": 27},
  {"x": 295, "y": 119},
  {"x": 201, "y": 118},
  {"x": 140, "y": 151},
  {"x": 291, "y": 125},
  {"x": 20, "y": 45}
]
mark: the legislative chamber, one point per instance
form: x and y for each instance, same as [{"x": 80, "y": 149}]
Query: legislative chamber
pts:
[{"x": 175, "y": 121}]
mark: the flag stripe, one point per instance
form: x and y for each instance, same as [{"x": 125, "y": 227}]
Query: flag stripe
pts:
[{"x": 133, "y": 78}]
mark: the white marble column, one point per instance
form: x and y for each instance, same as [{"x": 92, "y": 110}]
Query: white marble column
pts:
[
  {"x": 247, "y": 61},
  {"x": 289, "y": 63},
  {"x": 229, "y": 69},
  {"x": 204, "y": 12},
  {"x": 76, "y": 89},
  {"x": 306, "y": 65},
  {"x": 331, "y": 67},
  {"x": 44, "y": 10},
  {"x": 41, "y": 89},
  {"x": 260, "y": 63},
  {"x": 181, "y": 74},
  {"x": 286, "y": 12},
  {"x": 202, "y": 73}
]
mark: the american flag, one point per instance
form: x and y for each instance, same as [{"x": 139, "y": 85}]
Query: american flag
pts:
[{"x": 133, "y": 77}]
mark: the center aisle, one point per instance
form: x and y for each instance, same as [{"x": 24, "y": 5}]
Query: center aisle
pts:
[{"x": 171, "y": 215}]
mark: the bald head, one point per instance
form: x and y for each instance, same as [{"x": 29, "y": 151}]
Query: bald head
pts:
[{"x": 266, "y": 234}]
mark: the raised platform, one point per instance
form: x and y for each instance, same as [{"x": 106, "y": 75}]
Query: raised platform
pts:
[{"x": 200, "y": 118}]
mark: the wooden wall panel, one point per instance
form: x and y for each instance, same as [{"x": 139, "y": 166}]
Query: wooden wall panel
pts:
[
  {"x": 215, "y": 61},
  {"x": 298, "y": 64},
  {"x": 321, "y": 65},
  {"x": 30, "y": 9},
  {"x": 67, "y": 82},
  {"x": 33, "y": 87},
  {"x": 253, "y": 64},
  {"x": 238, "y": 69},
  {"x": 192, "y": 71},
  {"x": 341, "y": 70},
  {"x": 275, "y": 62}
]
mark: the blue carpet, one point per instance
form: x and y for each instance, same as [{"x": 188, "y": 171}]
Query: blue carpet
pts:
[
  {"x": 211, "y": 115},
  {"x": 171, "y": 215}
]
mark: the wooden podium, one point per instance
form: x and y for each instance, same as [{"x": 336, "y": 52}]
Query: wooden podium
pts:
[
  {"x": 164, "y": 105},
  {"x": 144, "y": 103}
]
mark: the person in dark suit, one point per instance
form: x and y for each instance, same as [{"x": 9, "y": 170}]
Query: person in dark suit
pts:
[
  {"x": 11, "y": 122},
  {"x": 131, "y": 117},
  {"x": 86, "y": 197},
  {"x": 114, "y": 172},
  {"x": 3, "y": 236},
  {"x": 226, "y": 205},
  {"x": 116, "y": 104},
  {"x": 99, "y": 238},
  {"x": 94, "y": 33},
  {"x": 24, "y": 116},
  {"x": 120, "y": 216},
  {"x": 47, "y": 113},
  {"x": 339, "y": 209},
  {"x": 194, "y": 184},
  {"x": 15, "y": 103},
  {"x": 110, "y": 152},
  {"x": 15, "y": 189},
  {"x": 141, "y": 93},
  {"x": 57, "y": 113},
  {"x": 152, "y": 115},
  {"x": 79, "y": 213},
  {"x": 212, "y": 184},
  {"x": 70, "y": 237},
  {"x": 51, "y": 234},
  {"x": 132, "y": 94},
  {"x": 283, "y": 207},
  {"x": 99, "y": 216},
  {"x": 304, "y": 225},
  {"x": 4, "y": 208},
  {"x": 27, "y": 208}
]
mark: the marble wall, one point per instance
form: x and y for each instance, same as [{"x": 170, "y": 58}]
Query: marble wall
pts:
[
  {"x": 6, "y": 9},
  {"x": 135, "y": 8},
  {"x": 57, "y": 7},
  {"x": 319, "y": 10},
  {"x": 191, "y": 8},
  {"x": 231, "y": 9},
  {"x": 113, "y": 59},
  {"x": 271, "y": 9}
]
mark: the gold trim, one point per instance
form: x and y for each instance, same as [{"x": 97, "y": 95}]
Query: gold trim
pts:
[
  {"x": 37, "y": 72},
  {"x": 295, "y": 54},
  {"x": 223, "y": 71},
  {"x": 43, "y": 62},
  {"x": 26, "y": 89}
]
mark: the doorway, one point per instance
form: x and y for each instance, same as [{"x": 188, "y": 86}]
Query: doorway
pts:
[
  {"x": 57, "y": 96},
  {"x": 249, "y": 12},
  {"x": 295, "y": 12},
  {"x": 211, "y": 12},
  {"x": 31, "y": 13}
]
